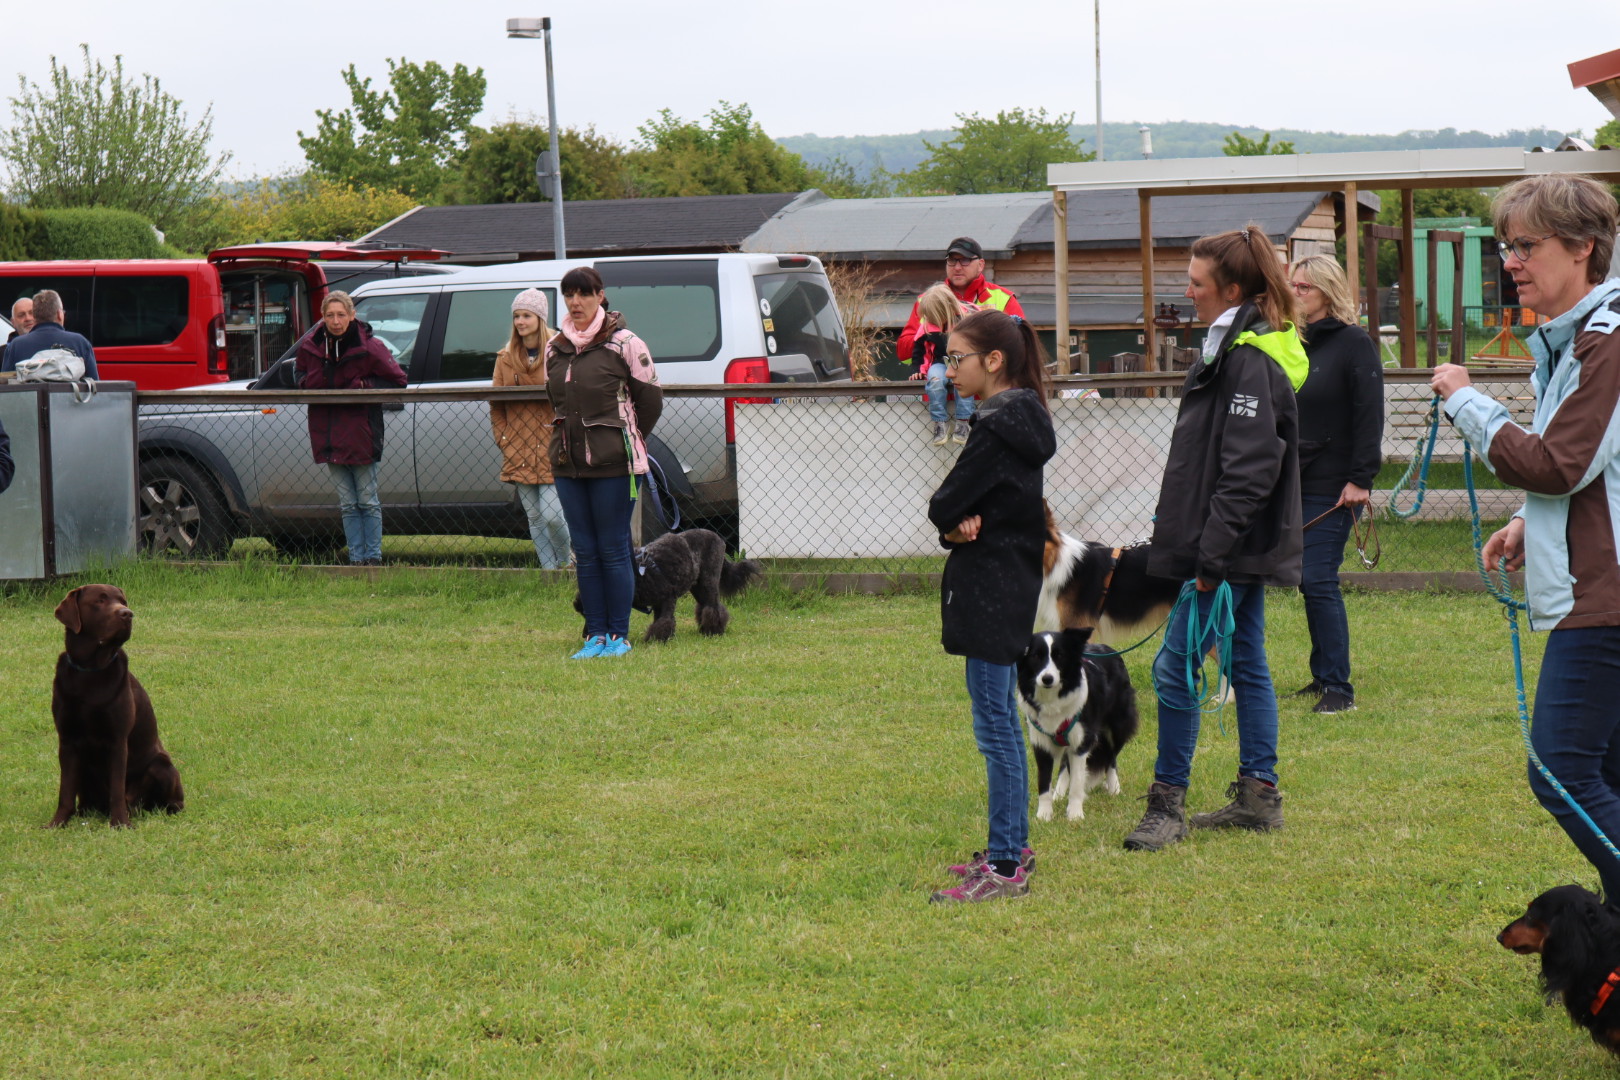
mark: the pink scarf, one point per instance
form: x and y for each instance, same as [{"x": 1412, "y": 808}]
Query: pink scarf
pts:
[{"x": 582, "y": 338}]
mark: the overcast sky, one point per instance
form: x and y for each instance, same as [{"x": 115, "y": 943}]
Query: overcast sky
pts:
[{"x": 846, "y": 67}]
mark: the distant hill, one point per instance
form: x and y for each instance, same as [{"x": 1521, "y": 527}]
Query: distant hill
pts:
[{"x": 1174, "y": 139}]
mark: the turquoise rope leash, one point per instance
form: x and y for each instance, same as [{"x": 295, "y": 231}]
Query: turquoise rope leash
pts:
[
  {"x": 1221, "y": 622},
  {"x": 1423, "y": 476},
  {"x": 1511, "y": 607}
]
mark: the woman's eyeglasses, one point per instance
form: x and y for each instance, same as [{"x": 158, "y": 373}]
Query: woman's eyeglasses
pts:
[
  {"x": 1301, "y": 287},
  {"x": 1523, "y": 247},
  {"x": 954, "y": 360}
]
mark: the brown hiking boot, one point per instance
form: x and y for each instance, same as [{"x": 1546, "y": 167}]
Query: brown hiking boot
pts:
[
  {"x": 1165, "y": 822},
  {"x": 1255, "y": 805}
]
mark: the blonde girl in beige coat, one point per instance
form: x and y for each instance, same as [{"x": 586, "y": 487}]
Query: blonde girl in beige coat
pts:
[{"x": 523, "y": 429}]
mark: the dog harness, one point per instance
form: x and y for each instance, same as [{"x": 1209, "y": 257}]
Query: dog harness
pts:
[{"x": 1604, "y": 991}]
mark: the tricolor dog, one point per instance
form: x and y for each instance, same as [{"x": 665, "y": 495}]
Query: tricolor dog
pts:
[{"x": 1080, "y": 707}]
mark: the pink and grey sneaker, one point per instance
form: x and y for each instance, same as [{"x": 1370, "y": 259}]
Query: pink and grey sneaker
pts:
[
  {"x": 984, "y": 884},
  {"x": 1026, "y": 863}
]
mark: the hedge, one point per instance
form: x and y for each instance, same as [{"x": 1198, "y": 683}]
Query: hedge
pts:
[{"x": 77, "y": 234}]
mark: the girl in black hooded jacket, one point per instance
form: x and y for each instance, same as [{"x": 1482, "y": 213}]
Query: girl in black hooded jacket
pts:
[{"x": 990, "y": 516}]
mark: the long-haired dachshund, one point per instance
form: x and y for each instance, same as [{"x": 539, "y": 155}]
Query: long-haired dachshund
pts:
[{"x": 1578, "y": 937}]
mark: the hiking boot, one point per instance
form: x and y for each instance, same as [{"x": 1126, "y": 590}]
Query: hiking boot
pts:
[
  {"x": 1026, "y": 863},
  {"x": 961, "y": 433},
  {"x": 1165, "y": 822},
  {"x": 593, "y": 647},
  {"x": 941, "y": 436},
  {"x": 1310, "y": 689},
  {"x": 1255, "y": 805},
  {"x": 983, "y": 883},
  {"x": 1334, "y": 701}
]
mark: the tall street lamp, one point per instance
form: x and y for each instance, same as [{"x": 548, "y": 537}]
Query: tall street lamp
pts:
[{"x": 541, "y": 28}]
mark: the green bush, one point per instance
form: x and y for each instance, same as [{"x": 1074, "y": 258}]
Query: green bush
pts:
[
  {"x": 96, "y": 234},
  {"x": 19, "y": 232}
]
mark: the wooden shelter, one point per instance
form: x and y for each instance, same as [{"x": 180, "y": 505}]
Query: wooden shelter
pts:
[{"x": 1403, "y": 170}]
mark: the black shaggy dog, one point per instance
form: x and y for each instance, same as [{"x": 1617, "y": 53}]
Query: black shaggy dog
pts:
[
  {"x": 1077, "y": 699},
  {"x": 678, "y": 563},
  {"x": 1578, "y": 937}
]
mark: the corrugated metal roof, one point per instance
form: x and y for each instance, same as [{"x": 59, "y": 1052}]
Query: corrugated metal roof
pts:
[
  {"x": 899, "y": 228},
  {"x": 1109, "y": 219},
  {"x": 920, "y": 228},
  {"x": 698, "y": 223}
]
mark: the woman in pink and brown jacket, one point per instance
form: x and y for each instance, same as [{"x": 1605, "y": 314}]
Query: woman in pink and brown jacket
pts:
[{"x": 605, "y": 391}]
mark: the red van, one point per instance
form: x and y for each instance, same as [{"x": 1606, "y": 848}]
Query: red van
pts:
[{"x": 168, "y": 323}]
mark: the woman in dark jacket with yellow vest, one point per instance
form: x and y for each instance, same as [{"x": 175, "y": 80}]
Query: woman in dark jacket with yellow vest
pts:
[
  {"x": 341, "y": 354},
  {"x": 1228, "y": 512},
  {"x": 605, "y": 391}
]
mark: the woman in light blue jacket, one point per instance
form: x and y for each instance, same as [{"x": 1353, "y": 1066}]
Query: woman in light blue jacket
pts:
[{"x": 1556, "y": 234}]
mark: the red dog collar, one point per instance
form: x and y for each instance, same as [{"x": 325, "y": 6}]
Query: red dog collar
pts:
[{"x": 1604, "y": 991}]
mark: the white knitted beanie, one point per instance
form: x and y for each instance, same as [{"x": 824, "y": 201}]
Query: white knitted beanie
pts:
[{"x": 532, "y": 300}]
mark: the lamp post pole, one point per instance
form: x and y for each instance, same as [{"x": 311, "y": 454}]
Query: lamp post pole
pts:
[{"x": 541, "y": 28}]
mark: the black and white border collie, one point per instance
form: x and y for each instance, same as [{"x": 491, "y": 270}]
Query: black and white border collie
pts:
[{"x": 1080, "y": 708}]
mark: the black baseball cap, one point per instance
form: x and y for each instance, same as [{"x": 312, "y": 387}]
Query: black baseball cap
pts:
[{"x": 965, "y": 245}]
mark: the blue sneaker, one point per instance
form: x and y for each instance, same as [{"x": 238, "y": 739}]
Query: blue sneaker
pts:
[
  {"x": 616, "y": 646},
  {"x": 593, "y": 647}
]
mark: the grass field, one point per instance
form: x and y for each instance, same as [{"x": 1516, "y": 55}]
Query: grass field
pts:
[{"x": 419, "y": 842}]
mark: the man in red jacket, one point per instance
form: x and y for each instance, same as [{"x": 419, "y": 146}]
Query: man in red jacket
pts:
[{"x": 964, "y": 272}]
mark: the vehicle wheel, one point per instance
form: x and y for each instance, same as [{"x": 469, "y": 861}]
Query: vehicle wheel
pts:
[{"x": 181, "y": 511}]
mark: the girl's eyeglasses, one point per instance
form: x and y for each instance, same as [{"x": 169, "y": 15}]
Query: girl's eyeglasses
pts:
[{"x": 954, "y": 360}]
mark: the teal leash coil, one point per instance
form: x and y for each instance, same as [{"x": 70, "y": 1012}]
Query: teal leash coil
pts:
[
  {"x": 1220, "y": 623},
  {"x": 1423, "y": 475}
]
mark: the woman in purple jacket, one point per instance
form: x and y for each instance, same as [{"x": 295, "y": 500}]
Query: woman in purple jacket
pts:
[{"x": 341, "y": 354}]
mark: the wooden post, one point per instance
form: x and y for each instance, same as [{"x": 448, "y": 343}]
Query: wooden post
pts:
[
  {"x": 1408, "y": 284},
  {"x": 1060, "y": 278},
  {"x": 1352, "y": 238},
  {"x": 1370, "y": 250},
  {"x": 1144, "y": 208},
  {"x": 1459, "y": 332},
  {"x": 1432, "y": 272}
]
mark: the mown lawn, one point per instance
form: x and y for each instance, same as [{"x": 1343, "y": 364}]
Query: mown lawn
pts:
[{"x": 419, "y": 842}]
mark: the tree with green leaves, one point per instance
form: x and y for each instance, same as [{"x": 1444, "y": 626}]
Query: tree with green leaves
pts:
[
  {"x": 404, "y": 138},
  {"x": 1238, "y": 144},
  {"x": 730, "y": 155},
  {"x": 1607, "y": 135},
  {"x": 104, "y": 140},
  {"x": 1007, "y": 152},
  {"x": 498, "y": 166},
  {"x": 304, "y": 207}
]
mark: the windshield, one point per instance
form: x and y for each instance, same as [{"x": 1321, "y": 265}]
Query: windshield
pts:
[{"x": 801, "y": 319}]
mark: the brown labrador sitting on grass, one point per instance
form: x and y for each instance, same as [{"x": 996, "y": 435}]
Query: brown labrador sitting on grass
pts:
[{"x": 106, "y": 733}]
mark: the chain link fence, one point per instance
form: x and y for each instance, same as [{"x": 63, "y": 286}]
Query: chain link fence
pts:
[{"x": 820, "y": 480}]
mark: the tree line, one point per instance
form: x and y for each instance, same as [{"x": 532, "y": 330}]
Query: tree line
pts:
[{"x": 99, "y": 138}]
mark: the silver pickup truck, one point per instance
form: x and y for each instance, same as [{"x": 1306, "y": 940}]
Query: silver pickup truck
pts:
[{"x": 213, "y": 472}]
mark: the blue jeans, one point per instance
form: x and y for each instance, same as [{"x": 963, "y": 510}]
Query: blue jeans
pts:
[
  {"x": 598, "y": 511},
  {"x": 362, "y": 510},
  {"x": 938, "y": 387},
  {"x": 547, "y": 528},
  {"x": 1319, "y": 584},
  {"x": 1576, "y": 733},
  {"x": 991, "y": 689},
  {"x": 1251, "y": 685}
]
